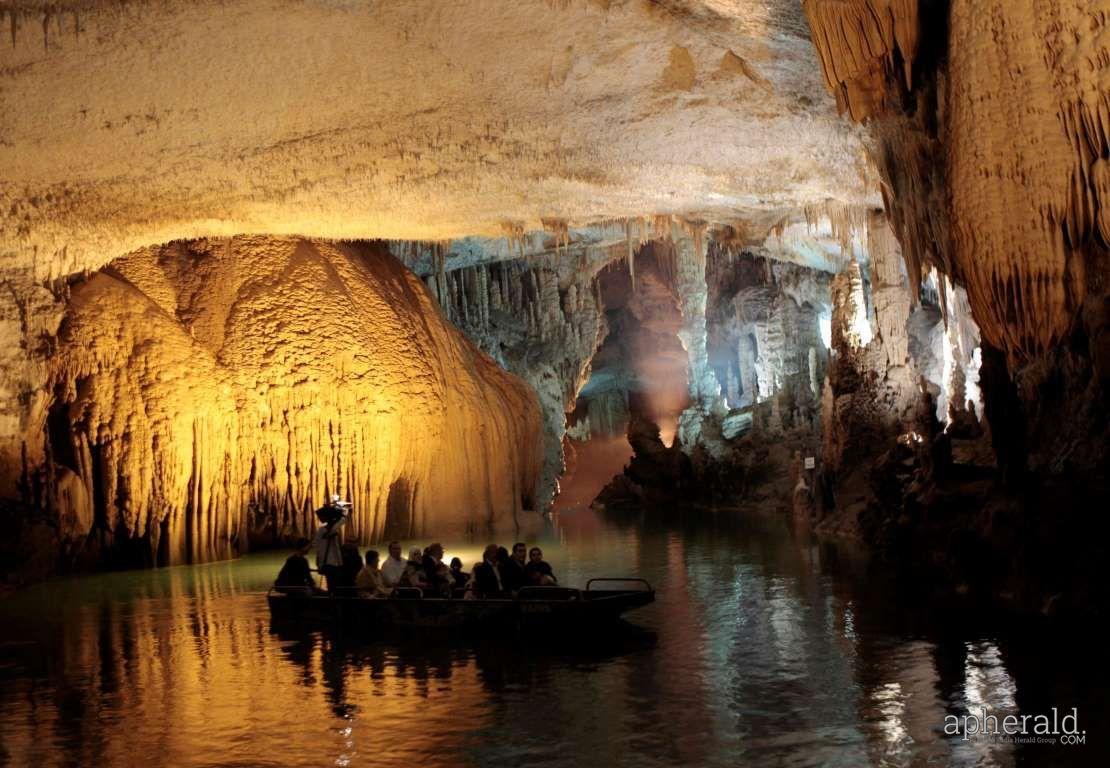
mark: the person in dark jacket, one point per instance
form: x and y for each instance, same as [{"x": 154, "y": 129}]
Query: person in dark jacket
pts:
[
  {"x": 538, "y": 571},
  {"x": 512, "y": 569},
  {"x": 352, "y": 564},
  {"x": 486, "y": 579},
  {"x": 458, "y": 575},
  {"x": 435, "y": 572},
  {"x": 295, "y": 573}
]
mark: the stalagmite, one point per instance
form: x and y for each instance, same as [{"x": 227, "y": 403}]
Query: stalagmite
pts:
[
  {"x": 763, "y": 328},
  {"x": 690, "y": 253},
  {"x": 871, "y": 393},
  {"x": 850, "y": 326},
  {"x": 890, "y": 292}
]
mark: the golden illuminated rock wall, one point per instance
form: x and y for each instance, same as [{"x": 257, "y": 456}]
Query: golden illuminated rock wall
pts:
[
  {"x": 214, "y": 390},
  {"x": 994, "y": 143}
]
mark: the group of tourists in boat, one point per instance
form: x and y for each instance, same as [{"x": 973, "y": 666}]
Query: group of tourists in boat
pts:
[{"x": 501, "y": 573}]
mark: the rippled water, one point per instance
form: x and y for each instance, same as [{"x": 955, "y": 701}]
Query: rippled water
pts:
[{"x": 763, "y": 648}]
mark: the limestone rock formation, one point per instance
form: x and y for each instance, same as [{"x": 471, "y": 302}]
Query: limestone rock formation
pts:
[
  {"x": 127, "y": 125},
  {"x": 759, "y": 356},
  {"x": 540, "y": 318},
  {"x": 207, "y": 394},
  {"x": 873, "y": 387},
  {"x": 130, "y": 125},
  {"x": 990, "y": 125},
  {"x": 659, "y": 477},
  {"x": 764, "y": 332}
]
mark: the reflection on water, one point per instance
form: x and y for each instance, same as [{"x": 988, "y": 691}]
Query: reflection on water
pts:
[{"x": 762, "y": 649}]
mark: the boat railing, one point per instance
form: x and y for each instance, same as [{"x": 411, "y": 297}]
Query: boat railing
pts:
[{"x": 644, "y": 585}]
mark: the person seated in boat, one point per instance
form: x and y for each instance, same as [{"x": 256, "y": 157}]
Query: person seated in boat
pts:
[
  {"x": 485, "y": 580},
  {"x": 352, "y": 564},
  {"x": 295, "y": 576},
  {"x": 436, "y": 575},
  {"x": 370, "y": 582},
  {"x": 393, "y": 569},
  {"x": 538, "y": 570},
  {"x": 414, "y": 570},
  {"x": 446, "y": 583},
  {"x": 459, "y": 577},
  {"x": 512, "y": 569}
]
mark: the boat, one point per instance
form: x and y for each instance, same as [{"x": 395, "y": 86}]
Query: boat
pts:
[{"x": 554, "y": 608}]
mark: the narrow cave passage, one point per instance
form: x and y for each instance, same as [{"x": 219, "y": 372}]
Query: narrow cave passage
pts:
[
  {"x": 641, "y": 366},
  {"x": 640, "y": 369}
]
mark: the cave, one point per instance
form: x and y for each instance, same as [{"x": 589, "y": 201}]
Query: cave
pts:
[{"x": 798, "y": 310}]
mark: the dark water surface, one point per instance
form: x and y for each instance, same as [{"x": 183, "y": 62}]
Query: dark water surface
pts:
[{"x": 764, "y": 648}]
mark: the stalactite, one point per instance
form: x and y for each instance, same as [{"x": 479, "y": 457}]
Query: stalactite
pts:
[
  {"x": 1032, "y": 232},
  {"x": 439, "y": 265},
  {"x": 515, "y": 233},
  {"x": 768, "y": 327},
  {"x": 661, "y": 226},
  {"x": 1014, "y": 213},
  {"x": 862, "y": 44},
  {"x": 551, "y": 323},
  {"x": 503, "y": 281},
  {"x": 560, "y": 229},
  {"x": 630, "y": 254},
  {"x": 847, "y": 222},
  {"x": 483, "y": 293},
  {"x": 13, "y": 21}
]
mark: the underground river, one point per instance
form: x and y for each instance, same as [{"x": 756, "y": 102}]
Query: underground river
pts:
[{"x": 765, "y": 647}]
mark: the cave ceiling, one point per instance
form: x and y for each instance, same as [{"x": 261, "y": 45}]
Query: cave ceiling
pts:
[{"x": 129, "y": 124}]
